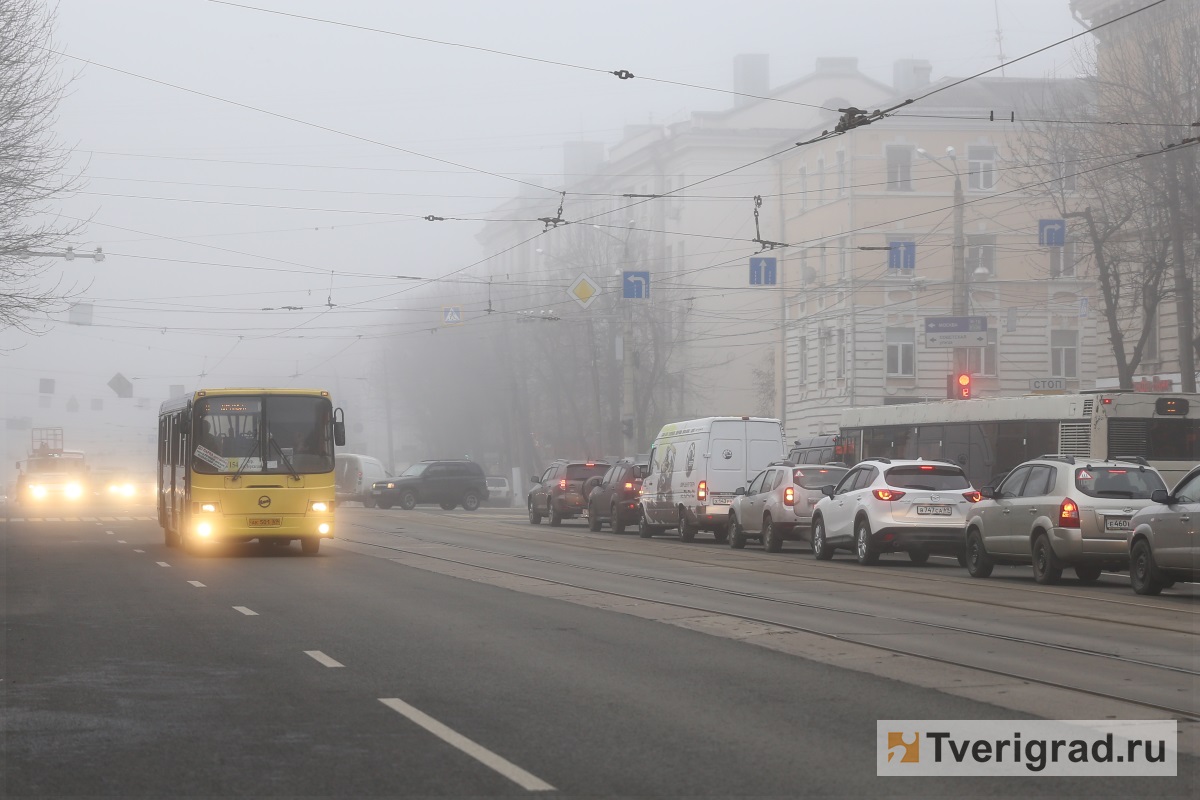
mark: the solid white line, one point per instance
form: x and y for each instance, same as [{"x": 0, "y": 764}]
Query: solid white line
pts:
[
  {"x": 480, "y": 753},
  {"x": 163, "y": 564},
  {"x": 197, "y": 584},
  {"x": 139, "y": 551},
  {"x": 245, "y": 611},
  {"x": 321, "y": 658}
]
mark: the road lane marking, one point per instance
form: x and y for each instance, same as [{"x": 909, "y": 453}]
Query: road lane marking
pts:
[
  {"x": 321, "y": 658},
  {"x": 122, "y": 541},
  {"x": 110, "y": 533},
  {"x": 108, "y": 519},
  {"x": 125, "y": 519},
  {"x": 53, "y": 519},
  {"x": 197, "y": 584},
  {"x": 245, "y": 611},
  {"x": 139, "y": 551},
  {"x": 162, "y": 564},
  {"x": 71, "y": 519},
  {"x": 478, "y": 752}
]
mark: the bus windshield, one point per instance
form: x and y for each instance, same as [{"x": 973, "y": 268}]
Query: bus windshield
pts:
[
  {"x": 54, "y": 464},
  {"x": 273, "y": 434}
]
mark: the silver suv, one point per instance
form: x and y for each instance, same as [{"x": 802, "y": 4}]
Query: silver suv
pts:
[
  {"x": 1165, "y": 546},
  {"x": 778, "y": 504},
  {"x": 1055, "y": 512},
  {"x": 890, "y": 505}
]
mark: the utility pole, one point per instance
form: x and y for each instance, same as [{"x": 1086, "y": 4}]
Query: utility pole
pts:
[
  {"x": 628, "y": 406},
  {"x": 1184, "y": 302}
]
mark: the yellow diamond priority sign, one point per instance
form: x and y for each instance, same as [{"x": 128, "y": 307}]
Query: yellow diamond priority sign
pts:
[{"x": 584, "y": 290}]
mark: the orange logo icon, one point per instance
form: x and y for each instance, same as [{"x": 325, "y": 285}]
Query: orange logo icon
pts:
[{"x": 904, "y": 747}]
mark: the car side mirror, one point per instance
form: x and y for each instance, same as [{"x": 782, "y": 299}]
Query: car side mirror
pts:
[
  {"x": 987, "y": 492},
  {"x": 741, "y": 490},
  {"x": 1162, "y": 496},
  {"x": 828, "y": 490},
  {"x": 534, "y": 479}
]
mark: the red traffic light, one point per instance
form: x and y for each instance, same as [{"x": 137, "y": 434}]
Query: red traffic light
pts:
[{"x": 963, "y": 390}]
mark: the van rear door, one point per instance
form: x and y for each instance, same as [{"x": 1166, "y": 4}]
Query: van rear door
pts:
[
  {"x": 727, "y": 460},
  {"x": 764, "y": 443}
]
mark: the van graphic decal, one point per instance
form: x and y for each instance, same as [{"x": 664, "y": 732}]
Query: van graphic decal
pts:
[{"x": 690, "y": 463}]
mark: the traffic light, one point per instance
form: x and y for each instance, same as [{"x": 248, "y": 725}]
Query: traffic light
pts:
[
  {"x": 959, "y": 386},
  {"x": 627, "y": 428}
]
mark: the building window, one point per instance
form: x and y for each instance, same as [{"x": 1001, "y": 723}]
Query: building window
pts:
[
  {"x": 983, "y": 360},
  {"x": 899, "y": 168},
  {"x": 1064, "y": 354},
  {"x": 821, "y": 180},
  {"x": 901, "y": 351},
  {"x": 841, "y": 173},
  {"x": 823, "y": 260},
  {"x": 803, "y": 179},
  {"x": 803, "y": 359},
  {"x": 1067, "y": 167},
  {"x": 822, "y": 356},
  {"x": 1062, "y": 260},
  {"x": 841, "y": 352},
  {"x": 981, "y": 255},
  {"x": 843, "y": 259},
  {"x": 981, "y": 163}
]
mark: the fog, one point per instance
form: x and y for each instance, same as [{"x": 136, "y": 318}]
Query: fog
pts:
[{"x": 244, "y": 248}]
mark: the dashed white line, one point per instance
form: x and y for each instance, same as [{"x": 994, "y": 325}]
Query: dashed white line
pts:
[
  {"x": 525, "y": 780},
  {"x": 139, "y": 551},
  {"x": 71, "y": 519},
  {"x": 197, "y": 584},
  {"x": 53, "y": 519},
  {"x": 321, "y": 658},
  {"x": 125, "y": 519},
  {"x": 110, "y": 533},
  {"x": 162, "y": 563},
  {"x": 246, "y": 611},
  {"x": 122, "y": 541}
]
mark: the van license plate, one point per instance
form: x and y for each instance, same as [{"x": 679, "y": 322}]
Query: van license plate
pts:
[
  {"x": 1116, "y": 523},
  {"x": 265, "y": 522},
  {"x": 936, "y": 511},
  {"x": 722, "y": 501}
]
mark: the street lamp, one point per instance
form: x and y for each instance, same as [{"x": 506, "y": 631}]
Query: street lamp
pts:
[{"x": 68, "y": 254}]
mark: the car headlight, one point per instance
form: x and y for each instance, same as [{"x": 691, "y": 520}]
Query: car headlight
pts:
[
  {"x": 73, "y": 491},
  {"x": 319, "y": 505},
  {"x": 391, "y": 486},
  {"x": 127, "y": 489},
  {"x": 38, "y": 492}
]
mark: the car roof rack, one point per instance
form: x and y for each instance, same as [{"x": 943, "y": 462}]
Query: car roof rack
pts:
[
  {"x": 783, "y": 462},
  {"x": 880, "y": 459},
  {"x": 1133, "y": 460},
  {"x": 1057, "y": 457}
]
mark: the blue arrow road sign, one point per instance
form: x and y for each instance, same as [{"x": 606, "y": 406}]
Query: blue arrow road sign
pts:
[
  {"x": 902, "y": 255},
  {"x": 635, "y": 285},
  {"x": 1052, "y": 232},
  {"x": 762, "y": 271}
]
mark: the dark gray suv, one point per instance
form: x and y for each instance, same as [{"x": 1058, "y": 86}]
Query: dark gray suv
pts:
[{"x": 447, "y": 483}]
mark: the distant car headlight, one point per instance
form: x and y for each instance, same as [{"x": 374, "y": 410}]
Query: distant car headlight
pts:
[
  {"x": 73, "y": 491},
  {"x": 38, "y": 492},
  {"x": 128, "y": 490},
  {"x": 391, "y": 486},
  {"x": 318, "y": 505}
]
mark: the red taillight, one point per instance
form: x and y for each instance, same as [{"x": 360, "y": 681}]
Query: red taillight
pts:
[
  {"x": 887, "y": 494},
  {"x": 973, "y": 497},
  {"x": 926, "y": 466},
  {"x": 702, "y": 491},
  {"x": 1068, "y": 514},
  {"x": 590, "y": 464},
  {"x": 562, "y": 485},
  {"x": 789, "y": 496}
]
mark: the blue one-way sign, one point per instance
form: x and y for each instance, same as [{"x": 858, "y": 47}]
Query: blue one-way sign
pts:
[
  {"x": 762, "y": 271},
  {"x": 902, "y": 255},
  {"x": 1052, "y": 232},
  {"x": 635, "y": 285}
]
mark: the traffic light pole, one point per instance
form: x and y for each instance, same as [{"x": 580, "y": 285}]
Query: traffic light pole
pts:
[{"x": 628, "y": 407}]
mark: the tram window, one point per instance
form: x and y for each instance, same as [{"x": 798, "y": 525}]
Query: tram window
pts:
[{"x": 1173, "y": 440}]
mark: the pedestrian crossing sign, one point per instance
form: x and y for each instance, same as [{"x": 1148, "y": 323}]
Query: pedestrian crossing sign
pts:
[{"x": 452, "y": 315}]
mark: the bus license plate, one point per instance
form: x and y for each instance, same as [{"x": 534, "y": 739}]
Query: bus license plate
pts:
[
  {"x": 265, "y": 522},
  {"x": 936, "y": 511},
  {"x": 1116, "y": 523}
]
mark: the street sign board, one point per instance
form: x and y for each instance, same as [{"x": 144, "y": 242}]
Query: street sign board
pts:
[
  {"x": 1047, "y": 384},
  {"x": 902, "y": 255},
  {"x": 635, "y": 284},
  {"x": 584, "y": 290},
  {"x": 762, "y": 271},
  {"x": 121, "y": 385},
  {"x": 452, "y": 315},
  {"x": 955, "y": 331},
  {"x": 1052, "y": 232}
]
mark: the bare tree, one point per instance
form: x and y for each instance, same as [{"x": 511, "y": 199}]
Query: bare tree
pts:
[
  {"x": 1096, "y": 152},
  {"x": 32, "y": 162}
]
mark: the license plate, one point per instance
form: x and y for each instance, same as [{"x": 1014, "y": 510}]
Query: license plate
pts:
[
  {"x": 935, "y": 511},
  {"x": 722, "y": 501},
  {"x": 1116, "y": 523},
  {"x": 377, "y": 491},
  {"x": 265, "y": 522}
]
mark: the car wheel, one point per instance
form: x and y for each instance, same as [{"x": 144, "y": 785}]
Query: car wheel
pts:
[
  {"x": 448, "y": 505},
  {"x": 617, "y": 523},
  {"x": 385, "y": 504},
  {"x": 645, "y": 529},
  {"x": 918, "y": 556},
  {"x": 687, "y": 531},
  {"x": 408, "y": 500},
  {"x": 771, "y": 538},
  {"x": 822, "y": 551},
  {"x": 721, "y": 535},
  {"x": 368, "y": 502},
  {"x": 470, "y": 501},
  {"x": 534, "y": 517},
  {"x": 1144, "y": 575},
  {"x": 310, "y": 545},
  {"x": 737, "y": 537},
  {"x": 979, "y": 564},
  {"x": 170, "y": 539},
  {"x": 1088, "y": 573},
  {"x": 593, "y": 519},
  {"x": 864, "y": 548},
  {"x": 555, "y": 517},
  {"x": 1044, "y": 570}
]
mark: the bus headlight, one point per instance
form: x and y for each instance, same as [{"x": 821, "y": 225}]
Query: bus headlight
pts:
[
  {"x": 38, "y": 492},
  {"x": 318, "y": 505},
  {"x": 323, "y": 528},
  {"x": 73, "y": 491},
  {"x": 204, "y": 529}
]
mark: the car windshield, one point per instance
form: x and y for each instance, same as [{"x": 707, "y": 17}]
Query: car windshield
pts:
[
  {"x": 1126, "y": 483},
  {"x": 581, "y": 472},
  {"x": 54, "y": 464},
  {"x": 272, "y": 434},
  {"x": 415, "y": 469},
  {"x": 816, "y": 477},
  {"x": 927, "y": 477}
]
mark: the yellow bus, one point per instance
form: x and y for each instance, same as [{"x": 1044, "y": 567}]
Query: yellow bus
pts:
[{"x": 242, "y": 464}]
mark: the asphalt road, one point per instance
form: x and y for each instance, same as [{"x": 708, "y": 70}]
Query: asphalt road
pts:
[{"x": 131, "y": 669}]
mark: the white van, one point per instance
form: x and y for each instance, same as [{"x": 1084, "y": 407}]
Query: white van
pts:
[
  {"x": 695, "y": 468},
  {"x": 355, "y": 474}
]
